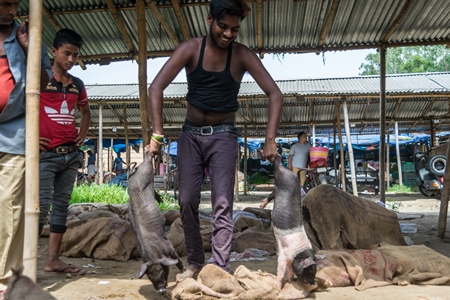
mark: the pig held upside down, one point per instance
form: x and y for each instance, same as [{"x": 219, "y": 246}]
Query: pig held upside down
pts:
[
  {"x": 148, "y": 223},
  {"x": 295, "y": 252}
]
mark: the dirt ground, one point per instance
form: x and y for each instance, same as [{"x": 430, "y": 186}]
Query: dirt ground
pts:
[{"x": 115, "y": 280}]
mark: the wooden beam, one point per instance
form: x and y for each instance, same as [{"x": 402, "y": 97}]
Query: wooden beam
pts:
[
  {"x": 327, "y": 24},
  {"x": 366, "y": 110},
  {"x": 125, "y": 56},
  {"x": 181, "y": 20},
  {"x": 249, "y": 111},
  {"x": 259, "y": 33},
  {"x": 125, "y": 127},
  {"x": 142, "y": 76},
  {"x": 115, "y": 13},
  {"x": 56, "y": 26},
  {"x": 155, "y": 11},
  {"x": 115, "y": 113},
  {"x": 427, "y": 109},
  {"x": 394, "y": 112},
  {"x": 397, "y": 21},
  {"x": 382, "y": 153},
  {"x": 310, "y": 100}
]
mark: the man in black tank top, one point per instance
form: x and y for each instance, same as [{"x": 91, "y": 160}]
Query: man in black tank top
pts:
[{"x": 215, "y": 65}]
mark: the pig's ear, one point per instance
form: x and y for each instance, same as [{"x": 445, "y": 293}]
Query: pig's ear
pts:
[
  {"x": 319, "y": 257},
  {"x": 167, "y": 261},
  {"x": 142, "y": 271},
  {"x": 308, "y": 262}
]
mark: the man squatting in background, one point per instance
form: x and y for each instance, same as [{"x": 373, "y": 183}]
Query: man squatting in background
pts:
[{"x": 215, "y": 65}]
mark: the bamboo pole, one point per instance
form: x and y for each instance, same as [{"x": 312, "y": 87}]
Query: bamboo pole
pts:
[
  {"x": 443, "y": 210},
  {"x": 350, "y": 148},
  {"x": 245, "y": 159},
  {"x": 314, "y": 135},
  {"x": 111, "y": 159},
  {"x": 100, "y": 144},
  {"x": 341, "y": 145},
  {"x": 236, "y": 179},
  {"x": 127, "y": 139},
  {"x": 399, "y": 159},
  {"x": 387, "y": 161},
  {"x": 334, "y": 156},
  {"x": 142, "y": 41},
  {"x": 32, "y": 93},
  {"x": 382, "y": 121}
]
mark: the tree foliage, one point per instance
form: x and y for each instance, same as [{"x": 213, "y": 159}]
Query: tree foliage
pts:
[{"x": 418, "y": 59}]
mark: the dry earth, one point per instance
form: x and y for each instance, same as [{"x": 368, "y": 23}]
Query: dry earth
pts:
[{"x": 115, "y": 280}]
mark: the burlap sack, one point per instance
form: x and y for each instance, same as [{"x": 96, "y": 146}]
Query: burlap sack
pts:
[
  {"x": 417, "y": 264},
  {"x": 103, "y": 238}
]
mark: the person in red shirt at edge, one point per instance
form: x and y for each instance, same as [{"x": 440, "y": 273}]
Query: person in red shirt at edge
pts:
[
  {"x": 60, "y": 156},
  {"x": 14, "y": 37},
  {"x": 215, "y": 65}
]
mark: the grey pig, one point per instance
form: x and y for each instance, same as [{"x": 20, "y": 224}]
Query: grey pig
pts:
[
  {"x": 21, "y": 287},
  {"x": 295, "y": 252},
  {"x": 157, "y": 252}
]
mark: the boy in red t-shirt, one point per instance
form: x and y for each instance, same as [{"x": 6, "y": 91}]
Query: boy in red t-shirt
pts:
[{"x": 59, "y": 143}]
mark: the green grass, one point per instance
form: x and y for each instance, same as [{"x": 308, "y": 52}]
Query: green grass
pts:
[
  {"x": 396, "y": 188},
  {"x": 102, "y": 193},
  {"x": 257, "y": 178},
  {"x": 113, "y": 194}
]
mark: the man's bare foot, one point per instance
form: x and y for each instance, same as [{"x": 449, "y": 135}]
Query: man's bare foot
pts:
[
  {"x": 191, "y": 270},
  {"x": 60, "y": 267}
]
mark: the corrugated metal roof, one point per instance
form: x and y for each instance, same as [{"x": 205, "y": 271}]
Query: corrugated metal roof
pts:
[
  {"x": 438, "y": 83},
  {"x": 287, "y": 26},
  {"x": 413, "y": 100}
]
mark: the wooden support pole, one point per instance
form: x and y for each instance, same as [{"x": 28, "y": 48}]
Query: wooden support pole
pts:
[
  {"x": 142, "y": 41},
  {"x": 32, "y": 92},
  {"x": 334, "y": 156},
  {"x": 382, "y": 182},
  {"x": 443, "y": 210},
  {"x": 388, "y": 162},
  {"x": 399, "y": 159},
  {"x": 127, "y": 140},
  {"x": 100, "y": 144},
  {"x": 341, "y": 145},
  {"x": 245, "y": 159},
  {"x": 350, "y": 148}
]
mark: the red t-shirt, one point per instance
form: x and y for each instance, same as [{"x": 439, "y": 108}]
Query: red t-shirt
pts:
[
  {"x": 57, "y": 110},
  {"x": 7, "y": 80}
]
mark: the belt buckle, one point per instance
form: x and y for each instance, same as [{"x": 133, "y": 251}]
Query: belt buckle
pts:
[
  {"x": 203, "y": 128},
  {"x": 62, "y": 150}
]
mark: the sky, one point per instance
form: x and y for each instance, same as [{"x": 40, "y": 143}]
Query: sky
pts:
[{"x": 289, "y": 66}]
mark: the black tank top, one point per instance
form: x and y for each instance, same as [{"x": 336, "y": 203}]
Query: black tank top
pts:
[{"x": 213, "y": 91}]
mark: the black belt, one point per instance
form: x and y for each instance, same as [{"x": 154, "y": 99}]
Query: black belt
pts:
[
  {"x": 208, "y": 130},
  {"x": 64, "y": 149}
]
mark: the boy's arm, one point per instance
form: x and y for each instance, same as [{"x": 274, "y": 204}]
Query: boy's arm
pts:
[{"x": 84, "y": 124}]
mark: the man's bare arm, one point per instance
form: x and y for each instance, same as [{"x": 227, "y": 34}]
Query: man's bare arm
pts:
[{"x": 255, "y": 67}]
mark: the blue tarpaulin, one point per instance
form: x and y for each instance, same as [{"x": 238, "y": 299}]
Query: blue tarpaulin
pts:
[
  {"x": 173, "y": 148},
  {"x": 118, "y": 144}
]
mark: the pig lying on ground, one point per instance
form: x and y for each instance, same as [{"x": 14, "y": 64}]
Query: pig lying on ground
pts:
[
  {"x": 295, "y": 252},
  {"x": 23, "y": 288},
  {"x": 148, "y": 223}
]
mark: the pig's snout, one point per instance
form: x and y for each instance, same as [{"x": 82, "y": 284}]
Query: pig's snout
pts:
[
  {"x": 161, "y": 290},
  {"x": 308, "y": 281}
]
